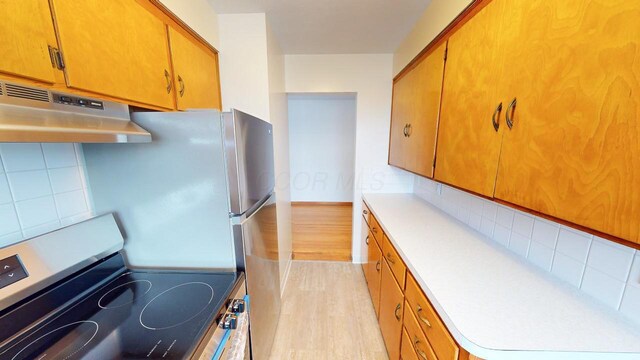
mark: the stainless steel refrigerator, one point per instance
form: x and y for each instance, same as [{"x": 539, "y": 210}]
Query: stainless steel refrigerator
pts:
[{"x": 200, "y": 195}]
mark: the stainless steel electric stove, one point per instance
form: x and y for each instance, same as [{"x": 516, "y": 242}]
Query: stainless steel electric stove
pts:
[{"x": 67, "y": 300}]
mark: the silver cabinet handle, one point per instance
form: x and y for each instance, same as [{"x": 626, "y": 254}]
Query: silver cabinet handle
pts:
[
  {"x": 181, "y": 86},
  {"x": 398, "y": 307},
  {"x": 409, "y": 130},
  {"x": 496, "y": 114},
  {"x": 422, "y": 354},
  {"x": 367, "y": 240},
  {"x": 405, "y": 130},
  {"x": 167, "y": 76},
  {"x": 378, "y": 266},
  {"x": 511, "y": 109},
  {"x": 365, "y": 212},
  {"x": 390, "y": 259},
  {"x": 422, "y": 318}
]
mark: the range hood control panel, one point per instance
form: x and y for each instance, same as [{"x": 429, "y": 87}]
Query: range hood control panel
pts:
[
  {"x": 11, "y": 270},
  {"x": 77, "y": 101}
]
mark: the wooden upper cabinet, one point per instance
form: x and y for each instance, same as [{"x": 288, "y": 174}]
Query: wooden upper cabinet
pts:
[
  {"x": 195, "y": 73},
  {"x": 115, "y": 48},
  {"x": 574, "y": 149},
  {"x": 468, "y": 143},
  {"x": 27, "y": 32},
  {"x": 414, "y": 120}
]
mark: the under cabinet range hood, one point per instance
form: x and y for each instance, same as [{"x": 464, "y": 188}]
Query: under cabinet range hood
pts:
[{"x": 30, "y": 114}]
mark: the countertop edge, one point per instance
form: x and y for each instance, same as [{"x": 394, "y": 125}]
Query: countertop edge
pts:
[{"x": 477, "y": 349}]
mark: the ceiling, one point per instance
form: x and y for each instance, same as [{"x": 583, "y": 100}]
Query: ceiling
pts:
[{"x": 333, "y": 26}]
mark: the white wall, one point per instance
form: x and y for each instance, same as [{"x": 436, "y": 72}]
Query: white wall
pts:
[
  {"x": 322, "y": 141},
  {"x": 42, "y": 188},
  {"x": 370, "y": 77},
  {"x": 279, "y": 118},
  {"x": 435, "y": 18},
  {"x": 199, "y": 15},
  {"x": 244, "y": 67}
]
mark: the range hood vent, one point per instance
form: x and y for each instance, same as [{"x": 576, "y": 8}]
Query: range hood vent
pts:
[
  {"x": 29, "y": 114},
  {"x": 23, "y": 92}
]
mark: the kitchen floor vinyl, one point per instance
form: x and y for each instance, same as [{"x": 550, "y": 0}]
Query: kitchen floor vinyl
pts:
[{"x": 327, "y": 314}]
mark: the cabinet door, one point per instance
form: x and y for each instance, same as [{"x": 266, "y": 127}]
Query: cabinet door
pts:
[
  {"x": 115, "y": 48},
  {"x": 374, "y": 272},
  {"x": 27, "y": 32},
  {"x": 573, "y": 151},
  {"x": 195, "y": 73},
  {"x": 416, "y": 108},
  {"x": 391, "y": 312},
  {"x": 468, "y": 143}
]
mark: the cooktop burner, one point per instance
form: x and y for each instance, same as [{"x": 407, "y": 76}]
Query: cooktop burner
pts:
[
  {"x": 61, "y": 343},
  {"x": 154, "y": 315},
  {"x": 137, "y": 315},
  {"x": 124, "y": 294}
]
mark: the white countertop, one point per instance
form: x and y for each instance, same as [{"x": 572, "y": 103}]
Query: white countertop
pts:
[{"x": 496, "y": 305}]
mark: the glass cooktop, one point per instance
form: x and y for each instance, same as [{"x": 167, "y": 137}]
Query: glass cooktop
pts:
[{"x": 137, "y": 315}]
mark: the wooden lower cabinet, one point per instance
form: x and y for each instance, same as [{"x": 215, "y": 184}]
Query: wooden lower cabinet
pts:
[
  {"x": 373, "y": 271},
  {"x": 391, "y": 311},
  {"x": 406, "y": 349}
]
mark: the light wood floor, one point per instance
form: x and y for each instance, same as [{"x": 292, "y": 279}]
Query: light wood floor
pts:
[
  {"x": 327, "y": 314},
  {"x": 321, "y": 231}
]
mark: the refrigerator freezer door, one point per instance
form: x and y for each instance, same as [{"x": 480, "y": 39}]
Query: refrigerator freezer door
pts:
[
  {"x": 170, "y": 196},
  {"x": 249, "y": 155},
  {"x": 257, "y": 237}
]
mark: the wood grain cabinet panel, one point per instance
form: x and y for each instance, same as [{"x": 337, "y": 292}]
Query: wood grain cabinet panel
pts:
[
  {"x": 415, "y": 112},
  {"x": 416, "y": 338},
  {"x": 391, "y": 312},
  {"x": 195, "y": 73},
  {"x": 468, "y": 144},
  {"x": 406, "y": 348},
  {"x": 373, "y": 271},
  {"x": 115, "y": 48},
  {"x": 574, "y": 149},
  {"x": 397, "y": 266},
  {"x": 27, "y": 32}
]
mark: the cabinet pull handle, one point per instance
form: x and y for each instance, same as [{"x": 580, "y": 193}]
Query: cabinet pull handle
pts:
[
  {"x": 390, "y": 259},
  {"x": 367, "y": 240},
  {"x": 398, "y": 307},
  {"x": 374, "y": 230},
  {"x": 365, "y": 212},
  {"x": 496, "y": 114},
  {"x": 378, "y": 266},
  {"x": 404, "y": 131},
  {"x": 510, "y": 112},
  {"x": 167, "y": 76},
  {"x": 409, "y": 130},
  {"x": 181, "y": 85},
  {"x": 416, "y": 342},
  {"x": 422, "y": 318}
]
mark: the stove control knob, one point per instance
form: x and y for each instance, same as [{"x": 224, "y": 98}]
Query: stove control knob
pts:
[
  {"x": 237, "y": 306},
  {"x": 229, "y": 321}
]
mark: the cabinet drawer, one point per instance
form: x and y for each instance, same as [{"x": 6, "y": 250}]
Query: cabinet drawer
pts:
[
  {"x": 406, "y": 349},
  {"x": 417, "y": 340},
  {"x": 373, "y": 272},
  {"x": 366, "y": 213},
  {"x": 395, "y": 262},
  {"x": 437, "y": 334},
  {"x": 376, "y": 229}
]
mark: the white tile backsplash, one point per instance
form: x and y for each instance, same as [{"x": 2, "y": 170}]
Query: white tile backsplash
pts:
[
  {"x": 610, "y": 258},
  {"x": 602, "y": 286},
  {"x": 607, "y": 271},
  {"x": 42, "y": 187},
  {"x": 59, "y": 155},
  {"x": 22, "y": 157},
  {"x": 545, "y": 232},
  {"x": 27, "y": 185}
]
